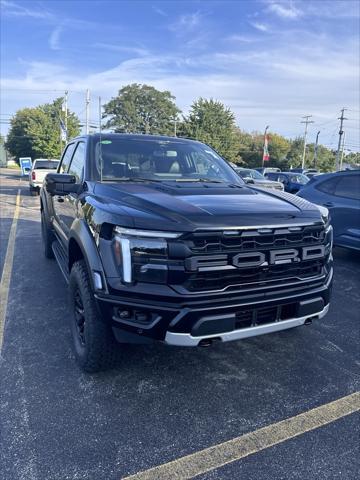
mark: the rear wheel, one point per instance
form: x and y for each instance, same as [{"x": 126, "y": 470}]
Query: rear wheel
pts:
[
  {"x": 34, "y": 191},
  {"x": 47, "y": 236},
  {"x": 94, "y": 345}
]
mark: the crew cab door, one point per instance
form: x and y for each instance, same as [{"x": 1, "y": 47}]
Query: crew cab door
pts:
[{"x": 65, "y": 206}]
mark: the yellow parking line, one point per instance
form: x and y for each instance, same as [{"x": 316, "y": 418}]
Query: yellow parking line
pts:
[
  {"x": 219, "y": 455},
  {"x": 6, "y": 274}
]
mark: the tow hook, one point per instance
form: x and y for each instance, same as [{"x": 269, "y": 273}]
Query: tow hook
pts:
[
  {"x": 308, "y": 321},
  {"x": 206, "y": 342}
]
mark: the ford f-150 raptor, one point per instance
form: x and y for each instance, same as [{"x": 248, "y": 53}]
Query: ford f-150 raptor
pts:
[{"x": 159, "y": 239}]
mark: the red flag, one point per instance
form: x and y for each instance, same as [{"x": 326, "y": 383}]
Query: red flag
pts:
[{"x": 266, "y": 155}]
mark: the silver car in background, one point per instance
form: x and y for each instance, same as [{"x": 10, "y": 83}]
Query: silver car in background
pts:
[{"x": 251, "y": 176}]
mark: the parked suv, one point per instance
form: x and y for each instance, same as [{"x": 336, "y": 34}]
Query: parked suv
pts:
[
  {"x": 340, "y": 193},
  {"x": 160, "y": 239},
  {"x": 292, "y": 182}
]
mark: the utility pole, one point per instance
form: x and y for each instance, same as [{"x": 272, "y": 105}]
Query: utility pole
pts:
[
  {"x": 66, "y": 114},
  {"x": 341, "y": 132},
  {"x": 316, "y": 148},
  {"x": 87, "y": 112},
  {"x": 175, "y": 122},
  {"x": 342, "y": 152},
  {"x": 100, "y": 116},
  {"x": 266, "y": 156},
  {"x": 306, "y": 121}
]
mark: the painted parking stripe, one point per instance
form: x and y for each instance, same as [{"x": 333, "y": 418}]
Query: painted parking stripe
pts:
[
  {"x": 6, "y": 273},
  {"x": 219, "y": 455}
]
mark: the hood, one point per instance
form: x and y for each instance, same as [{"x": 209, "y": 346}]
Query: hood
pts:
[{"x": 187, "y": 207}]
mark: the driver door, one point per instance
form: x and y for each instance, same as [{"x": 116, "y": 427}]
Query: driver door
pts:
[{"x": 58, "y": 201}]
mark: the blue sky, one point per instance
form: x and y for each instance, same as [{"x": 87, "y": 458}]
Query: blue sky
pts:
[{"x": 270, "y": 61}]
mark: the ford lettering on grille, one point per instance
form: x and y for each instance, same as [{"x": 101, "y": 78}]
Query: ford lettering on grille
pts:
[
  {"x": 255, "y": 259},
  {"x": 276, "y": 257}
]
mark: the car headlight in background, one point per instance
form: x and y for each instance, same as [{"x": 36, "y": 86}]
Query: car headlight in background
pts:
[{"x": 142, "y": 254}]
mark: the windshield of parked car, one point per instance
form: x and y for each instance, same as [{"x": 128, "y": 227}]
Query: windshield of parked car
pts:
[
  {"x": 299, "y": 178},
  {"x": 251, "y": 174},
  {"x": 46, "y": 164},
  {"x": 126, "y": 159}
]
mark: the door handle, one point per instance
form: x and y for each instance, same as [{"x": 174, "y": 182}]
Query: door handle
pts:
[
  {"x": 60, "y": 199},
  {"x": 328, "y": 204}
]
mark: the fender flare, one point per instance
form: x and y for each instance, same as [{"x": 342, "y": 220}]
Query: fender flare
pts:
[{"x": 81, "y": 234}]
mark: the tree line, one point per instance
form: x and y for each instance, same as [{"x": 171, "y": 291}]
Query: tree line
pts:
[{"x": 35, "y": 132}]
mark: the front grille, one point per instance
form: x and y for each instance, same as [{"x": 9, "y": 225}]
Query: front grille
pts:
[
  {"x": 261, "y": 316},
  {"x": 218, "y": 248},
  {"x": 255, "y": 277},
  {"x": 260, "y": 239}
]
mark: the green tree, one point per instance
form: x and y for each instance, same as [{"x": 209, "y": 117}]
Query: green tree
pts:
[
  {"x": 212, "y": 123},
  {"x": 35, "y": 132},
  {"x": 353, "y": 158},
  {"x": 279, "y": 147},
  {"x": 251, "y": 149},
  {"x": 295, "y": 153},
  {"x": 325, "y": 157},
  {"x": 141, "y": 109}
]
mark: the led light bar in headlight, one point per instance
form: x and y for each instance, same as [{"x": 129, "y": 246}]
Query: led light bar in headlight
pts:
[
  {"x": 142, "y": 252},
  {"x": 146, "y": 233}
]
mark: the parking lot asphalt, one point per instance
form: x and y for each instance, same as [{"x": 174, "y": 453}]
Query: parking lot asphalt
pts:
[{"x": 162, "y": 403}]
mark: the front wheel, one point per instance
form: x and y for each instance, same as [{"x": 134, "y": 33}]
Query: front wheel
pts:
[{"x": 94, "y": 345}]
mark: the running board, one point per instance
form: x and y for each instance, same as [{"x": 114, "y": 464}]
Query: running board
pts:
[{"x": 61, "y": 258}]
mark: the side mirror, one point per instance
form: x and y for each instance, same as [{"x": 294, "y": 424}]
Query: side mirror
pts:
[
  {"x": 60, "y": 184},
  {"x": 248, "y": 180}
]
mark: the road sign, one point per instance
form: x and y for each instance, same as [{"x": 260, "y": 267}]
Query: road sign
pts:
[{"x": 25, "y": 165}]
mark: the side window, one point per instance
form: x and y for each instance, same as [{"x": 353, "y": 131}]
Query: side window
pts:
[
  {"x": 66, "y": 158},
  {"x": 78, "y": 162},
  {"x": 328, "y": 186},
  {"x": 348, "y": 187}
]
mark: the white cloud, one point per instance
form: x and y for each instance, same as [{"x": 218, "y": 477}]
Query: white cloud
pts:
[
  {"x": 287, "y": 10},
  {"x": 241, "y": 38},
  {"x": 300, "y": 72},
  {"x": 54, "y": 40},
  {"x": 160, "y": 11},
  {"x": 13, "y": 9},
  {"x": 121, "y": 48},
  {"x": 187, "y": 22},
  {"x": 260, "y": 26}
]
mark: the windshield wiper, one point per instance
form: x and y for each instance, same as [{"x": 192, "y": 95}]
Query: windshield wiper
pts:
[
  {"x": 130, "y": 179},
  {"x": 207, "y": 180}
]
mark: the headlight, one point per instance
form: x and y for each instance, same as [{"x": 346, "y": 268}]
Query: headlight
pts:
[
  {"x": 142, "y": 254},
  {"x": 329, "y": 238},
  {"x": 324, "y": 213}
]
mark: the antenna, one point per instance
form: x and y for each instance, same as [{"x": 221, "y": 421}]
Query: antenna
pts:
[{"x": 100, "y": 144}]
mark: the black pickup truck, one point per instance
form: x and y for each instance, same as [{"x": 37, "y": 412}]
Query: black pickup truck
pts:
[{"x": 159, "y": 239}]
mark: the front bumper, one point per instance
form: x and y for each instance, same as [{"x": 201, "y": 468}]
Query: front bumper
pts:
[
  {"x": 188, "y": 321},
  {"x": 187, "y": 340}
]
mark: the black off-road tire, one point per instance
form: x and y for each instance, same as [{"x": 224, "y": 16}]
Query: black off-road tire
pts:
[
  {"x": 94, "y": 345},
  {"x": 47, "y": 236}
]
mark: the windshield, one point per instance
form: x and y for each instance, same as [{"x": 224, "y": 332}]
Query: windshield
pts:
[
  {"x": 46, "y": 164},
  {"x": 299, "y": 178},
  {"x": 160, "y": 160}
]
